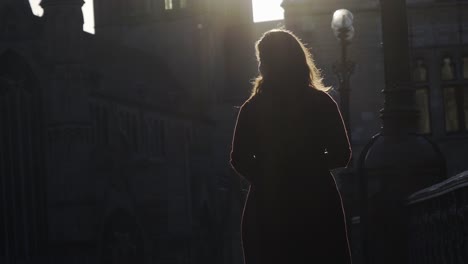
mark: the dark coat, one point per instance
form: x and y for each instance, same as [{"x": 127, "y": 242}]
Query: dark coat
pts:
[{"x": 285, "y": 146}]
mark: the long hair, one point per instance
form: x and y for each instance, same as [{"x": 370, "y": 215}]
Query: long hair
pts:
[{"x": 285, "y": 61}]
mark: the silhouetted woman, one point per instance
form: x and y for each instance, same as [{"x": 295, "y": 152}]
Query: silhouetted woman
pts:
[{"x": 288, "y": 135}]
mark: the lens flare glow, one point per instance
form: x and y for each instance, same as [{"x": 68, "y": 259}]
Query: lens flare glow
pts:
[
  {"x": 267, "y": 10},
  {"x": 263, "y": 10}
]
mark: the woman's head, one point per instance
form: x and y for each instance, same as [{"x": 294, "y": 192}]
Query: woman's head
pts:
[{"x": 283, "y": 59}]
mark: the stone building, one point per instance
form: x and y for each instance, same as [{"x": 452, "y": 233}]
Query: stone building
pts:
[
  {"x": 111, "y": 145},
  {"x": 438, "y": 43},
  {"x": 438, "y": 40},
  {"x": 114, "y": 147}
]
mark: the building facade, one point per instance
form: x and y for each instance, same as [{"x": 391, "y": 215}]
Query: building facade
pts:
[
  {"x": 112, "y": 149},
  {"x": 438, "y": 40}
]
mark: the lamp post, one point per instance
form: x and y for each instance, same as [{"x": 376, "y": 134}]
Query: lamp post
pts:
[
  {"x": 342, "y": 26},
  {"x": 396, "y": 162}
]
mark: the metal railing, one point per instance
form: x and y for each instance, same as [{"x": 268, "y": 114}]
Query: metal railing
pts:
[{"x": 438, "y": 222}]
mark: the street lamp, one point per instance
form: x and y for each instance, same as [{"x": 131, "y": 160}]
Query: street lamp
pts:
[
  {"x": 342, "y": 26},
  {"x": 396, "y": 162}
]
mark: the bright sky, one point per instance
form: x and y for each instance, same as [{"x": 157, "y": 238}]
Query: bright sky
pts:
[
  {"x": 263, "y": 10},
  {"x": 266, "y": 10},
  {"x": 88, "y": 13}
]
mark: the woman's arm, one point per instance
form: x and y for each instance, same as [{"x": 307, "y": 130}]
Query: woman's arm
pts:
[
  {"x": 242, "y": 154},
  {"x": 338, "y": 148}
]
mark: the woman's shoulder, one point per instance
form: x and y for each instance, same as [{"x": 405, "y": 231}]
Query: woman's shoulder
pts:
[
  {"x": 248, "y": 104},
  {"x": 320, "y": 97},
  {"x": 252, "y": 101}
]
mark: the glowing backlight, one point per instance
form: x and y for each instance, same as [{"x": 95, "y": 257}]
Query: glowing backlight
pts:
[
  {"x": 88, "y": 13},
  {"x": 267, "y": 10}
]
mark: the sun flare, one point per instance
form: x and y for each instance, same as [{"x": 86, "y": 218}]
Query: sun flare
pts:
[
  {"x": 267, "y": 10},
  {"x": 88, "y": 13},
  {"x": 263, "y": 10}
]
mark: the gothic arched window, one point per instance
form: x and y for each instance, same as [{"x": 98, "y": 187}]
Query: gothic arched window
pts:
[
  {"x": 420, "y": 77},
  {"x": 168, "y": 4},
  {"x": 447, "y": 70},
  {"x": 175, "y": 4},
  {"x": 455, "y": 91},
  {"x": 423, "y": 107},
  {"x": 451, "y": 112},
  {"x": 420, "y": 71}
]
